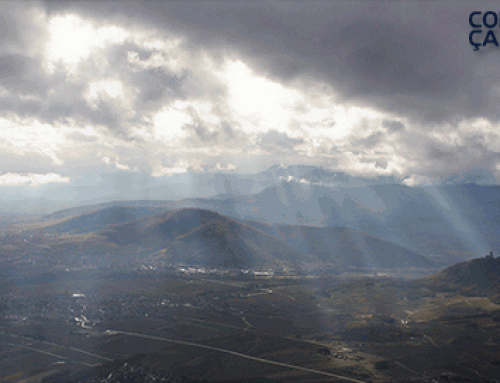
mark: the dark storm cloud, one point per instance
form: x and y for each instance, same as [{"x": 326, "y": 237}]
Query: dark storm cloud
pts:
[
  {"x": 23, "y": 75},
  {"x": 478, "y": 176},
  {"x": 386, "y": 58},
  {"x": 435, "y": 152},
  {"x": 19, "y": 71},
  {"x": 202, "y": 132},
  {"x": 276, "y": 142},
  {"x": 409, "y": 58},
  {"x": 223, "y": 135},
  {"x": 474, "y": 145},
  {"x": 29, "y": 97},
  {"x": 31, "y": 92},
  {"x": 21, "y": 27},
  {"x": 27, "y": 90},
  {"x": 381, "y": 164},
  {"x": 412, "y": 60},
  {"x": 437, "y": 158},
  {"x": 371, "y": 141},
  {"x": 228, "y": 130},
  {"x": 156, "y": 85},
  {"x": 22, "y": 81},
  {"x": 392, "y": 126},
  {"x": 107, "y": 114}
]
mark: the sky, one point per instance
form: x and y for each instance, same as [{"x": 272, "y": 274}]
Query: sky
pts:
[{"x": 160, "y": 88}]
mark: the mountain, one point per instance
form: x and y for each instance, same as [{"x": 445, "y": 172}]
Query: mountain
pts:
[
  {"x": 203, "y": 237},
  {"x": 480, "y": 276},
  {"x": 227, "y": 241},
  {"x": 194, "y": 236},
  {"x": 86, "y": 209},
  {"x": 447, "y": 223},
  {"x": 103, "y": 186},
  {"x": 346, "y": 248},
  {"x": 99, "y": 219}
]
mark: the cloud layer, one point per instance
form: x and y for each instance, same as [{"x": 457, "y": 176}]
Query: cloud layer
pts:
[{"x": 161, "y": 88}]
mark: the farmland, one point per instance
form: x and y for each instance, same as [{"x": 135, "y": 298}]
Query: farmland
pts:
[{"x": 209, "y": 327}]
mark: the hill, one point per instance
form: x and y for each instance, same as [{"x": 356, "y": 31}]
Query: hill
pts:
[
  {"x": 346, "y": 247},
  {"x": 100, "y": 219},
  {"x": 479, "y": 276},
  {"x": 86, "y": 210},
  {"x": 195, "y": 236},
  {"x": 447, "y": 224},
  {"x": 203, "y": 237}
]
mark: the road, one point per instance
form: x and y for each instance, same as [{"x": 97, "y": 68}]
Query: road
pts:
[
  {"x": 34, "y": 349},
  {"x": 53, "y": 344},
  {"x": 239, "y": 354}
]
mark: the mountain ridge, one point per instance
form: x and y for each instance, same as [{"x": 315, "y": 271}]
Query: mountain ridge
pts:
[
  {"x": 476, "y": 276},
  {"x": 202, "y": 236}
]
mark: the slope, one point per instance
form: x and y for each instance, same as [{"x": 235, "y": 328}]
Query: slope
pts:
[{"x": 204, "y": 237}]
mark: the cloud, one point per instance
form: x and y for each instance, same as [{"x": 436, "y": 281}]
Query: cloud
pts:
[
  {"x": 278, "y": 143},
  {"x": 179, "y": 167},
  {"x": 79, "y": 137},
  {"x": 72, "y": 39},
  {"x": 165, "y": 87},
  {"x": 393, "y": 126},
  {"x": 118, "y": 165},
  {"x": 22, "y": 28},
  {"x": 364, "y": 51},
  {"x": 371, "y": 141},
  {"x": 400, "y": 57},
  {"x": 218, "y": 166},
  {"x": 31, "y": 179}
]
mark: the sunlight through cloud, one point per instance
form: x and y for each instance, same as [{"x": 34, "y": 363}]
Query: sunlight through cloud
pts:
[{"x": 73, "y": 39}]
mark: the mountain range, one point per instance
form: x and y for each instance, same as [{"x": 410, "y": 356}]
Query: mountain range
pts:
[
  {"x": 203, "y": 237},
  {"x": 446, "y": 224},
  {"x": 102, "y": 186}
]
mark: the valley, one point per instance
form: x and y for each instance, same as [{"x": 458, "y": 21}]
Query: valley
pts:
[
  {"x": 249, "y": 192},
  {"x": 231, "y": 326},
  {"x": 158, "y": 291}
]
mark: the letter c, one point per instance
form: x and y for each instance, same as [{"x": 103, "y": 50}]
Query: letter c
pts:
[
  {"x": 471, "y": 22},
  {"x": 475, "y": 45}
]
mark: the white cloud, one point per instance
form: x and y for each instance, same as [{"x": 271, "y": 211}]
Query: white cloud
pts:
[
  {"x": 72, "y": 39},
  {"x": 104, "y": 88},
  {"x": 31, "y": 179},
  {"x": 120, "y": 166},
  {"x": 418, "y": 180},
  {"x": 228, "y": 166},
  {"x": 31, "y": 136},
  {"x": 265, "y": 104},
  {"x": 168, "y": 123},
  {"x": 181, "y": 166}
]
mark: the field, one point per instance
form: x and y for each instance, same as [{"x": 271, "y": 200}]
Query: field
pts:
[{"x": 72, "y": 324}]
